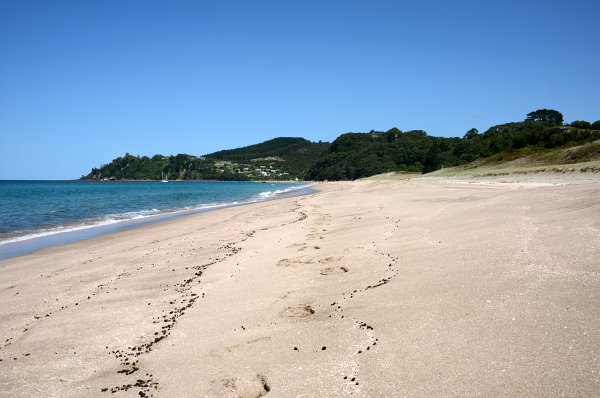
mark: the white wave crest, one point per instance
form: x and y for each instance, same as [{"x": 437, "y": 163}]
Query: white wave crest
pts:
[{"x": 19, "y": 236}]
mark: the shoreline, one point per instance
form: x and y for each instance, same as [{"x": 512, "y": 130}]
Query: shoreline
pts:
[
  {"x": 259, "y": 181},
  {"x": 36, "y": 241},
  {"x": 367, "y": 288}
]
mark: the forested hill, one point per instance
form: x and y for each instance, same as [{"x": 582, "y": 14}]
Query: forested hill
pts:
[
  {"x": 294, "y": 153},
  {"x": 284, "y": 158},
  {"x": 357, "y": 155},
  {"x": 354, "y": 155}
]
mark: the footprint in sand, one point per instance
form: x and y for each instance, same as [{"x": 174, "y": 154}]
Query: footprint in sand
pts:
[
  {"x": 304, "y": 248},
  {"x": 328, "y": 260},
  {"x": 354, "y": 249},
  {"x": 290, "y": 262},
  {"x": 91, "y": 260},
  {"x": 299, "y": 311},
  {"x": 314, "y": 236},
  {"x": 244, "y": 344},
  {"x": 334, "y": 270},
  {"x": 248, "y": 387},
  {"x": 59, "y": 271}
]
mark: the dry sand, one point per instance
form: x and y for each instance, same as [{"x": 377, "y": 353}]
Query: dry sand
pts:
[{"x": 369, "y": 288}]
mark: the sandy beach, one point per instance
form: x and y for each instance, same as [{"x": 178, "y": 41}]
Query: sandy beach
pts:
[{"x": 413, "y": 288}]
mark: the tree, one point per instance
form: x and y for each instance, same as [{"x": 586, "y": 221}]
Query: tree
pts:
[
  {"x": 547, "y": 116},
  {"x": 596, "y": 125},
  {"x": 581, "y": 124},
  {"x": 471, "y": 134},
  {"x": 432, "y": 159},
  {"x": 392, "y": 134}
]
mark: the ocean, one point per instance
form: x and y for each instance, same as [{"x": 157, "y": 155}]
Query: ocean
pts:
[{"x": 35, "y": 214}]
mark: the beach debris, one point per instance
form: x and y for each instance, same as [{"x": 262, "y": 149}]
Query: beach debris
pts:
[{"x": 380, "y": 283}]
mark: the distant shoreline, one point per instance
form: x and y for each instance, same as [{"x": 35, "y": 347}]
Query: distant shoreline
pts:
[{"x": 260, "y": 181}]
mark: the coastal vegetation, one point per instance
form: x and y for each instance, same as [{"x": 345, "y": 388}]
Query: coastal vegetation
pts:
[
  {"x": 359, "y": 155},
  {"x": 284, "y": 158},
  {"x": 584, "y": 157},
  {"x": 292, "y": 154},
  {"x": 353, "y": 156}
]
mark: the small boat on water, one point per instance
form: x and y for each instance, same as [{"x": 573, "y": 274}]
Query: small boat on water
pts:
[{"x": 162, "y": 177}]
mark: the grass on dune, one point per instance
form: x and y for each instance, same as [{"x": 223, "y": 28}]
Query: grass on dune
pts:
[
  {"x": 580, "y": 158},
  {"x": 569, "y": 158}
]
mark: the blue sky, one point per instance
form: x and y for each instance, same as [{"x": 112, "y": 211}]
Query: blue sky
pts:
[{"x": 82, "y": 82}]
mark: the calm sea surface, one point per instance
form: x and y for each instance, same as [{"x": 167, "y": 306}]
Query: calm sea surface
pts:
[{"x": 34, "y": 209}]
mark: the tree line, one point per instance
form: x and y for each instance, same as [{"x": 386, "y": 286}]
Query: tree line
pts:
[{"x": 356, "y": 155}]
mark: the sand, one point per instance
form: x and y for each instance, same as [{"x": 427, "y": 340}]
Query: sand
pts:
[{"x": 370, "y": 288}]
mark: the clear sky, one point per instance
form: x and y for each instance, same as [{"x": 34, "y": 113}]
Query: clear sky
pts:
[{"x": 82, "y": 82}]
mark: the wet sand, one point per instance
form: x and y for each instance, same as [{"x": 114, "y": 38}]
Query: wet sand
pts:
[{"x": 368, "y": 288}]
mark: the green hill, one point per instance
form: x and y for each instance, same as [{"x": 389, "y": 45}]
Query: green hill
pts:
[
  {"x": 292, "y": 153},
  {"x": 358, "y": 155},
  {"x": 283, "y": 158},
  {"x": 179, "y": 167}
]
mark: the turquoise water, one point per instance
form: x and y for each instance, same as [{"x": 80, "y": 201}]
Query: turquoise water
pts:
[{"x": 34, "y": 209}]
